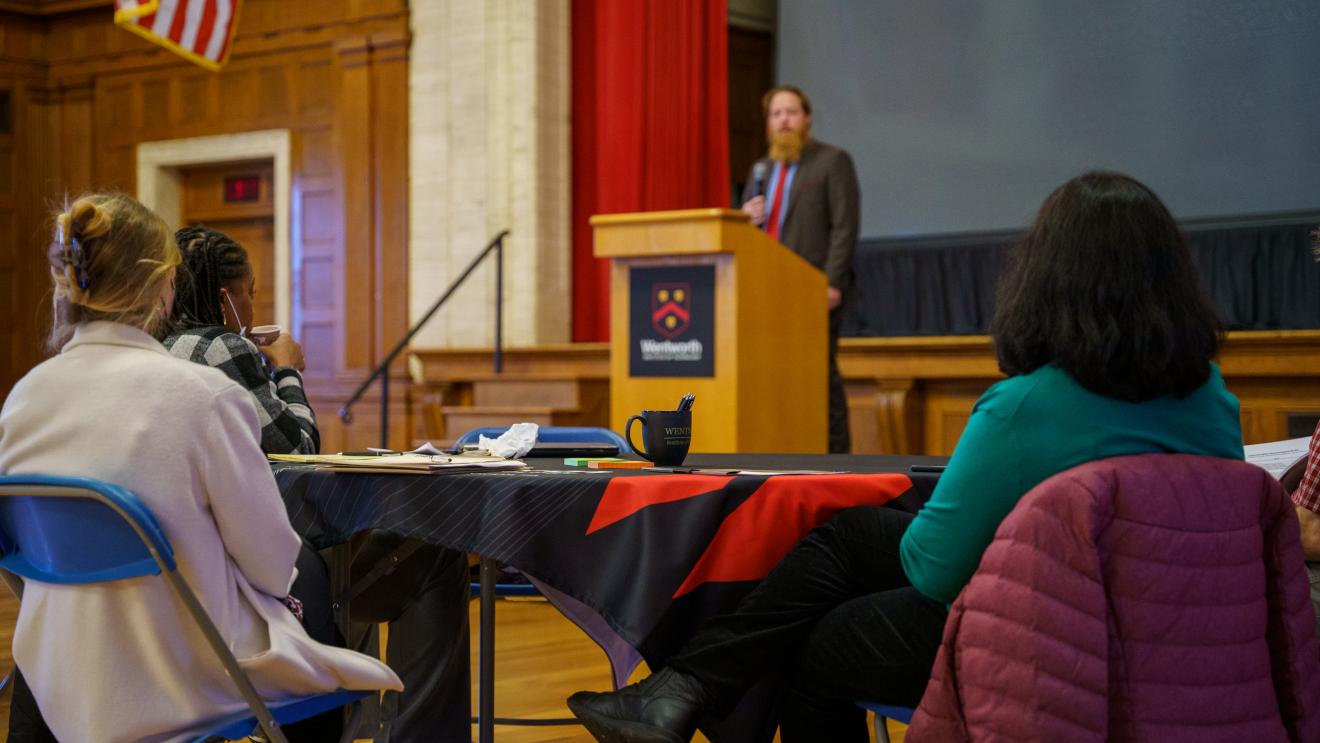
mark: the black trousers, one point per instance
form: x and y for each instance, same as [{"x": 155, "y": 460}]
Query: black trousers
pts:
[
  {"x": 839, "y": 619},
  {"x": 840, "y": 437},
  {"x": 425, "y": 602}
]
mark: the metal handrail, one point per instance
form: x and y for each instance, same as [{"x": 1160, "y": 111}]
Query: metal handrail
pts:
[{"x": 496, "y": 245}]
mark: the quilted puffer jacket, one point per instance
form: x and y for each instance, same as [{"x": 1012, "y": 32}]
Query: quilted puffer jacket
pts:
[{"x": 1160, "y": 597}]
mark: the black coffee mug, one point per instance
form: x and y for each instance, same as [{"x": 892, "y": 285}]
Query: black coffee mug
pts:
[{"x": 666, "y": 435}]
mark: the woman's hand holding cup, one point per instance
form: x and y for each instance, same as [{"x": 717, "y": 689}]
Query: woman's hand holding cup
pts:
[{"x": 284, "y": 351}]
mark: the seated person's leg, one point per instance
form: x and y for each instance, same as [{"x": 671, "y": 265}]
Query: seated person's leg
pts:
[
  {"x": 327, "y": 726},
  {"x": 428, "y": 648},
  {"x": 25, "y": 722},
  {"x": 425, "y": 602},
  {"x": 312, "y": 590},
  {"x": 877, "y": 648},
  {"x": 852, "y": 555}
]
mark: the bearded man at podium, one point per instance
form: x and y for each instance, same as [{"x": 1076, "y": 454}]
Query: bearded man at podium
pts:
[{"x": 810, "y": 204}]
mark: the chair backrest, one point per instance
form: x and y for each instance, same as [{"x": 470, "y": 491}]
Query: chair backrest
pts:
[
  {"x": 1136, "y": 598},
  {"x": 551, "y": 435},
  {"x": 77, "y": 530}
]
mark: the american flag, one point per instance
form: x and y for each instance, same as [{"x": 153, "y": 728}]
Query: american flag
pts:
[{"x": 197, "y": 29}]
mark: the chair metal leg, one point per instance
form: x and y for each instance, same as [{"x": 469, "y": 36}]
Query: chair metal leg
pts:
[
  {"x": 487, "y": 593},
  {"x": 486, "y": 661},
  {"x": 881, "y": 729}
]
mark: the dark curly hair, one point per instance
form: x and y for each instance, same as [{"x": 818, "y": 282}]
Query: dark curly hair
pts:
[
  {"x": 1104, "y": 287},
  {"x": 211, "y": 259}
]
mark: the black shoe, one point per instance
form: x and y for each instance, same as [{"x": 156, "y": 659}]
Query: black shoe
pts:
[{"x": 661, "y": 708}]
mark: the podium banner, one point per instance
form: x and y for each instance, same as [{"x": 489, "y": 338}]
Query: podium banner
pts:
[{"x": 671, "y": 321}]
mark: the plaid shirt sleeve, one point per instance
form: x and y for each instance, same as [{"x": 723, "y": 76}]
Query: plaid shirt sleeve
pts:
[
  {"x": 1307, "y": 494},
  {"x": 288, "y": 425}
]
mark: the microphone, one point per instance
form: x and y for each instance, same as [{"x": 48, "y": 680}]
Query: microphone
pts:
[{"x": 759, "y": 172}]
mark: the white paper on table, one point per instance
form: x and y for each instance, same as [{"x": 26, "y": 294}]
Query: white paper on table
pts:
[
  {"x": 1277, "y": 457},
  {"x": 513, "y": 443}
]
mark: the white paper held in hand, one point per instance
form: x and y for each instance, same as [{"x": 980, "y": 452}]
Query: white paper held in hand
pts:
[{"x": 1277, "y": 457}]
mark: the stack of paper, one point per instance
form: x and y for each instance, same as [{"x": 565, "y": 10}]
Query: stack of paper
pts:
[{"x": 401, "y": 463}]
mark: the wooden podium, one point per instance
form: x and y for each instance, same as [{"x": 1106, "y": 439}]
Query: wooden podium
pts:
[{"x": 703, "y": 302}]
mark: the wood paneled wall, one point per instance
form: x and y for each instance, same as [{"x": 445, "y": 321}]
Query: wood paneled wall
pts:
[
  {"x": 332, "y": 72},
  {"x": 24, "y": 148}
]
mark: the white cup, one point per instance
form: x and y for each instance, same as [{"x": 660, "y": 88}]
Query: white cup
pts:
[{"x": 264, "y": 335}]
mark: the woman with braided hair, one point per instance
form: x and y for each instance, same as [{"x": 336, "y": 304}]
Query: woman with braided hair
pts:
[
  {"x": 117, "y": 662},
  {"x": 212, "y": 313},
  {"x": 425, "y": 598}
]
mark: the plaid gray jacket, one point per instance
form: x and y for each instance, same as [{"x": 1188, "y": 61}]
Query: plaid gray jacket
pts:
[{"x": 288, "y": 425}]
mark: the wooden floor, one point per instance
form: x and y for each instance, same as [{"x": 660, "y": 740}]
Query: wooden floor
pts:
[
  {"x": 8, "y": 615},
  {"x": 540, "y": 659}
]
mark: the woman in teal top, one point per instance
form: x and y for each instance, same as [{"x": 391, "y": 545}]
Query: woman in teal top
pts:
[
  {"x": 1029, "y": 427},
  {"x": 1107, "y": 339}
]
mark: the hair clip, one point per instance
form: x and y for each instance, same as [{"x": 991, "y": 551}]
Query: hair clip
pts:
[{"x": 79, "y": 261}]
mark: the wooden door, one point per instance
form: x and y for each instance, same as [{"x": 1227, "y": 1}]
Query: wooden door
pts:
[
  {"x": 237, "y": 199},
  {"x": 751, "y": 73}
]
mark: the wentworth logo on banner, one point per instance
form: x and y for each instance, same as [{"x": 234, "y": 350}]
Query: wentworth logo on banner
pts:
[
  {"x": 199, "y": 30},
  {"x": 671, "y": 321}
]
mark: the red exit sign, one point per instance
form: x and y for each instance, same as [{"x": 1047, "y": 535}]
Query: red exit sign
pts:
[{"x": 243, "y": 188}]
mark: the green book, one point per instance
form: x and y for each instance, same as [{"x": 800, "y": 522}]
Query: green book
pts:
[{"x": 582, "y": 461}]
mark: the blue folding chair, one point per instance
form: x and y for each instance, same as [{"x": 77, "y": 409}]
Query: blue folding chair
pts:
[
  {"x": 885, "y": 712},
  {"x": 550, "y": 435},
  {"x": 74, "y": 530}
]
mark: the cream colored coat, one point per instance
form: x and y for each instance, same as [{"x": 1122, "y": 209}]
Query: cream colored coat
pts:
[{"x": 120, "y": 661}]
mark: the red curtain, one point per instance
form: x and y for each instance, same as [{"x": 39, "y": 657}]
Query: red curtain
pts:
[{"x": 650, "y": 124}]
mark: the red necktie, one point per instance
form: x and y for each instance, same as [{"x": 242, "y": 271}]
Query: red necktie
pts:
[{"x": 773, "y": 225}]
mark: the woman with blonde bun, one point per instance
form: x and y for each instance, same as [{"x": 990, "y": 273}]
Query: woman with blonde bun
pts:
[{"x": 119, "y": 661}]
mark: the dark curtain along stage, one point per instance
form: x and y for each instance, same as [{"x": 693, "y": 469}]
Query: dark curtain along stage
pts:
[{"x": 1262, "y": 275}]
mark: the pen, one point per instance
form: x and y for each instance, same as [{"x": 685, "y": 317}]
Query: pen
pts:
[
  {"x": 926, "y": 468},
  {"x": 685, "y": 404}
]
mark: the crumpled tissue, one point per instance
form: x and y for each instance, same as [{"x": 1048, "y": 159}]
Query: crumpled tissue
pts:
[{"x": 513, "y": 443}]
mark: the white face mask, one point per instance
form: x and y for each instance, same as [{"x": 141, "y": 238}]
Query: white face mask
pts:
[{"x": 242, "y": 329}]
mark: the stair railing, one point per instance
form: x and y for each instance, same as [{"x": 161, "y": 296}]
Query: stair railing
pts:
[{"x": 496, "y": 246}]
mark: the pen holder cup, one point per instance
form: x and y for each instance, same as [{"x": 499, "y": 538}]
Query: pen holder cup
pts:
[{"x": 666, "y": 436}]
